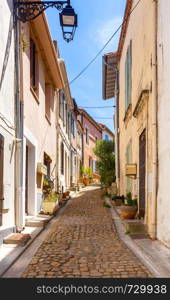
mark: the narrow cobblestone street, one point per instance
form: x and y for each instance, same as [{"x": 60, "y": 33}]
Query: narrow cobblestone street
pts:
[{"x": 84, "y": 243}]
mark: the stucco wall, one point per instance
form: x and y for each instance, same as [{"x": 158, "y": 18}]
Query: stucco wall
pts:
[
  {"x": 94, "y": 133},
  {"x": 64, "y": 179},
  {"x": 43, "y": 131},
  {"x": 106, "y": 132},
  {"x": 7, "y": 109},
  {"x": 141, "y": 32},
  {"x": 163, "y": 209}
]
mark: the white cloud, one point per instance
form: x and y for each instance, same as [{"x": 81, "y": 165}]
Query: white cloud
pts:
[{"x": 105, "y": 31}]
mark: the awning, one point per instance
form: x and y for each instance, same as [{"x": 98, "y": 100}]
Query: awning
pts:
[{"x": 109, "y": 74}]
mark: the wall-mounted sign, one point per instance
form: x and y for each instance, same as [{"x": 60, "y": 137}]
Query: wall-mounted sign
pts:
[
  {"x": 41, "y": 168},
  {"x": 131, "y": 170}
]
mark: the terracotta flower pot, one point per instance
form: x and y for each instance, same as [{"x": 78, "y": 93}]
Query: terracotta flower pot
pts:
[
  {"x": 128, "y": 212},
  {"x": 117, "y": 202},
  {"x": 85, "y": 181},
  {"x": 64, "y": 195}
]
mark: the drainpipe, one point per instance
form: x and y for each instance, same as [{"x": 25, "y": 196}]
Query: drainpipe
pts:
[
  {"x": 18, "y": 134},
  {"x": 117, "y": 131},
  {"x": 153, "y": 232}
]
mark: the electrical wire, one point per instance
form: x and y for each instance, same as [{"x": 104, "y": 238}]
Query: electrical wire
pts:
[
  {"x": 96, "y": 56},
  {"x": 103, "y": 118},
  {"x": 97, "y": 106}
]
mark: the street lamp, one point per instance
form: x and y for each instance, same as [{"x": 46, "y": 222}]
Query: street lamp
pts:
[
  {"x": 68, "y": 22},
  {"x": 29, "y": 10}
]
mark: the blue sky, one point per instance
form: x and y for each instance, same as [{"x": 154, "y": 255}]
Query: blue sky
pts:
[{"x": 97, "y": 21}]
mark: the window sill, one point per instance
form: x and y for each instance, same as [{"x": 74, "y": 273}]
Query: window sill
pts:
[
  {"x": 48, "y": 119},
  {"x": 35, "y": 95}
]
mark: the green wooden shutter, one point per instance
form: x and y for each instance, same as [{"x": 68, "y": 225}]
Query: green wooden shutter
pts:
[
  {"x": 130, "y": 73},
  {"x": 128, "y": 76},
  {"x": 128, "y": 161},
  {"x": 126, "y": 84}
]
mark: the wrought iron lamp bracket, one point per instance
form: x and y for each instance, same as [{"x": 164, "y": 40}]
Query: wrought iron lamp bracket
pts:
[{"x": 27, "y": 11}]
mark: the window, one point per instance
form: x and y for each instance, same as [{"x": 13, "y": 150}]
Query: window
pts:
[
  {"x": 90, "y": 163},
  {"x": 62, "y": 106},
  {"x": 34, "y": 68},
  {"x": 68, "y": 123},
  {"x": 62, "y": 158},
  {"x": 94, "y": 166},
  {"x": 128, "y": 161},
  {"x": 63, "y": 110},
  {"x": 72, "y": 126},
  {"x": 60, "y": 103},
  {"x": 87, "y": 136},
  {"x": 128, "y": 76},
  {"x": 47, "y": 163},
  {"x": 106, "y": 137},
  {"x": 66, "y": 117},
  {"x": 48, "y": 95}
]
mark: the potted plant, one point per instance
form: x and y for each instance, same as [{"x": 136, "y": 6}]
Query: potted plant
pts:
[
  {"x": 90, "y": 179},
  {"x": 48, "y": 185},
  {"x": 50, "y": 203},
  {"x": 129, "y": 209},
  {"x": 66, "y": 194},
  {"x": 118, "y": 200}
]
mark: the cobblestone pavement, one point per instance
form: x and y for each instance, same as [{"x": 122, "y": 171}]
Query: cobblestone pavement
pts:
[{"x": 84, "y": 243}]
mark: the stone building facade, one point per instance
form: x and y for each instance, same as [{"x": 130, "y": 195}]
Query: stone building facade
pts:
[
  {"x": 134, "y": 86},
  {"x": 7, "y": 121},
  {"x": 92, "y": 133}
]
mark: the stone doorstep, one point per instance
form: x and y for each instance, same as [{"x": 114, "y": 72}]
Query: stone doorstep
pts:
[
  {"x": 37, "y": 221},
  {"x": 19, "y": 239},
  {"x": 135, "y": 227}
]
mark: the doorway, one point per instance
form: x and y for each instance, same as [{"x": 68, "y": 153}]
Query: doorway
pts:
[
  {"x": 1, "y": 176},
  {"x": 30, "y": 200},
  {"x": 26, "y": 181},
  {"x": 142, "y": 172}
]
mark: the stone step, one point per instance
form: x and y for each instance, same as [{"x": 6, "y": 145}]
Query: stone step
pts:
[
  {"x": 19, "y": 239},
  {"x": 135, "y": 227},
  {"x": 37, "y": 221}
]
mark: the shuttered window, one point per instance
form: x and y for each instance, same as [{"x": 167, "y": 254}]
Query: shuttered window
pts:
[
  {"x": 128, "y": 161},
  {"x": 62, "y": 158},
  {"x": 34, "y": 68},
  {"x": 128, "y": 76},
  {"x": 48, "y": 96}
]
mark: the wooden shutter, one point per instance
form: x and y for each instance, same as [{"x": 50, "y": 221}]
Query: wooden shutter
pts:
[
  {"x": 128, "y": 76},
  {"x": 48, "y": 101},
  {"x": 128, "y": 161},
  {"x": 31, "y": 63},
  {"x": 130, "y": 71},
  {"x": 62, "y": 158},
  {"x": 126, "y": 83},
  {"x": 34, "y": 67}
]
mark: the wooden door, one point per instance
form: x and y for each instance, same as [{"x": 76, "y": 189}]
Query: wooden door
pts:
[
  {"x": 142, "y": 173},
  {"x": 26, "y": 181},
  {"x": 1, "y": 176}
]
